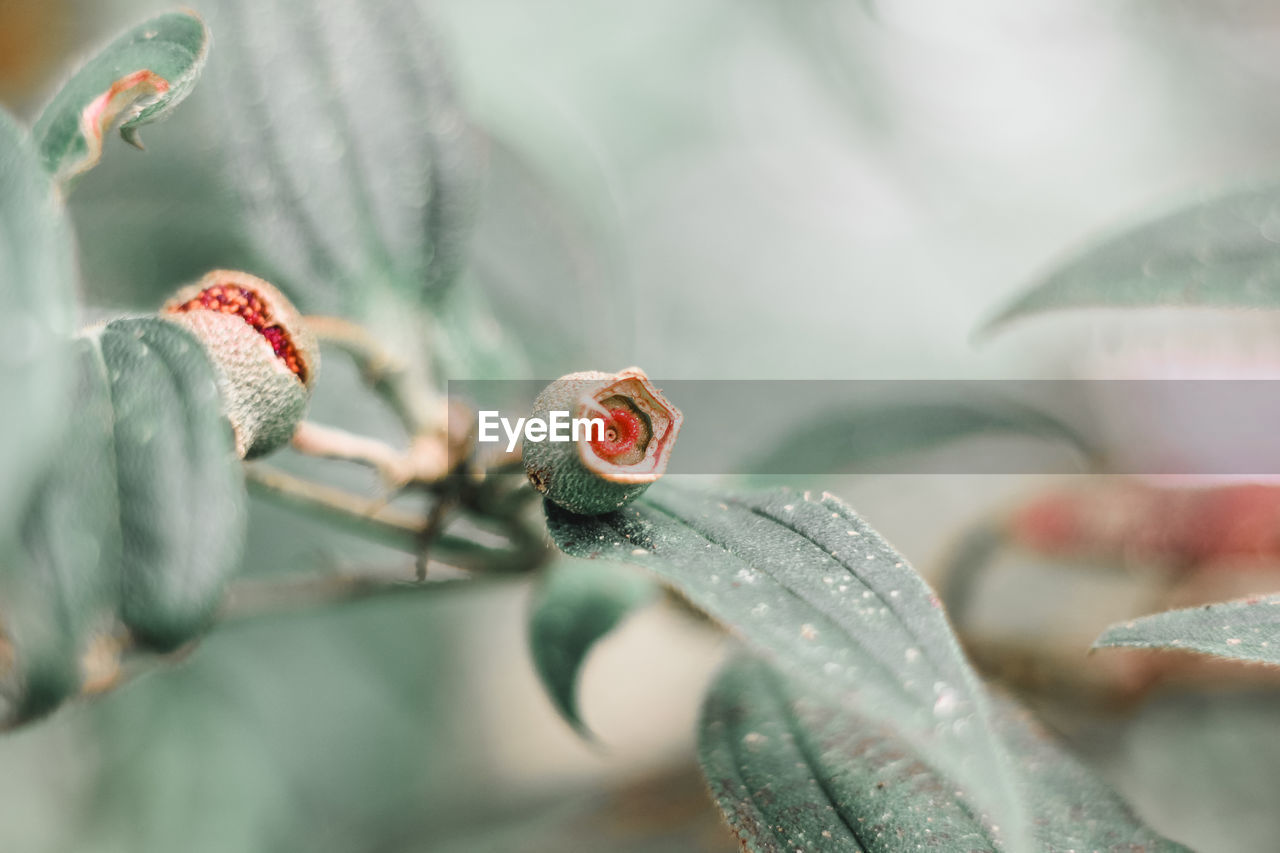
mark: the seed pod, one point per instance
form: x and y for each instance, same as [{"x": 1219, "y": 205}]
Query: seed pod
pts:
[
  {"x": 597, "y": 474},
  {"x": 265, "y": 357}
]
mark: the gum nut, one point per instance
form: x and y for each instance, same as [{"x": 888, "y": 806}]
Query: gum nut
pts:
[
  {"x": 265, "y": 358},
  {"x": 600, "y": 473}
]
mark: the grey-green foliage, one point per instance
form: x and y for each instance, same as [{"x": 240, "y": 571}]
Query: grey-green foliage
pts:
[
  {"x": 1248, "y": 629},
  {"x": 272, "y": 723},
  {"x": 180, "y": 485},
  {"x": 37, "y": 280},
  {"x": 62, "y": 585},
  {"x": 815, "y": 590},
  {"x": 792, "y": 768},
  {"x": 138, "y": 520},
  {"x": 1221, "y": 252},
  {"x": 574, "y": 606},
  {"x": 347, "y": 146},
  {"x": 813, "y": 587},
  {"x": 863, "y": 438},
  {"x": 172, "y": 46}
]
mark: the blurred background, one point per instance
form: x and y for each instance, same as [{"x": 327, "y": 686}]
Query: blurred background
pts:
[{"x": 709, "y": 189}]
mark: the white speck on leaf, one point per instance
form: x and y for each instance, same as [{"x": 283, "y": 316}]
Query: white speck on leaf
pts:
[{"x": 947, "y": 702}]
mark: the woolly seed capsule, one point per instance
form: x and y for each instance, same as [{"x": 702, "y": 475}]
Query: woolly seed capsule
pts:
[
  {"x": 600, "y": 473},
  {"x": 265, "y": 357}
]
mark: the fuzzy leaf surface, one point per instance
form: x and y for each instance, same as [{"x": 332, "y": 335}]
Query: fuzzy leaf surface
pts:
[
  {"x": 811, "y": 586},
  {"x": 180, "y": 486},
  {"x": 576, "y": 605},
  {"x": 794, "y": 769},
  {"x": 1247, "y": 629},
  {"x": 137, "y": 79},
  {"x": 347, "y": 147}
]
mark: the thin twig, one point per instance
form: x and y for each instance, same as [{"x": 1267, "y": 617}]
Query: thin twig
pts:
[
  {"x": 367, "y": 517},
  {"x": 390, "y": 526},
  {"x": 430, "y": 532},
  {"x": 325, "y": 442},
  {"x": 387, "y": 375},
  {"x": 257, "y": 598}
]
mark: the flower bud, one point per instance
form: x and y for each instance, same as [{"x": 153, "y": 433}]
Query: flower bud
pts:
[
  {"x": 265, "y": 357},
  {"x": 598, "y": 473}
]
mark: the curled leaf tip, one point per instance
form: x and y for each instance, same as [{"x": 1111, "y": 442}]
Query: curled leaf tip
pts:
[
  {"x": 137, "y": 79},
  {"x": 130, "y": 135},
  {"x": 131, "y": 93}
]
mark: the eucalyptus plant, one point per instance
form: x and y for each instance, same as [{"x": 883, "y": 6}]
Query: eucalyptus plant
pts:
[{"x": 848, "y": 717}]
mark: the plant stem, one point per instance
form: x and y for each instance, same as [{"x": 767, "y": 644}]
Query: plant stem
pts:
[
  {"x": 372, "y": 519},
  {"x": 327, "y": 442},
  {"x": 264, "y": 597},
  {"x": 406, "y": 531},
  {"x": 387, "y": 375}
]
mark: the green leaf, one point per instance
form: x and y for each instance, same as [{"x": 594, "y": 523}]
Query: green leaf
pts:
[
  {"x": 574, "y": 606},
  {"x": 348, "y": 147},
  {"x": 1248, "y": 629},
  {"x": 140, "y": 77},
  {"x": 794, "y": 769},
  {"x": 139, "y": 520},
  {"x": 858, "y": 439},
  {"x": 814, "y": 588},
  {"x": 1222, "y": 252},
  {"x": 61, "y": 588},
  {"x": 181, "y": 487},
  {"x": 37, "y": 281}
]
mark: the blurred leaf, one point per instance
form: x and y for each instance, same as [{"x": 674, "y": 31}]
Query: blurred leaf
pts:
[
  {"x": 815, "y": 589},
  {"x": 1204, "y": 766},
  {"x": 549, "y": 266},
  {"x": 141, "y": 515},
  {"x": 181, "y": 487},
  {"x": 855, "y": 439},
  {"x": 61, "y": 588},
  {"x": 574, "y": 606},
  {"x": 37, "y": 280},
  {"x": 143, "y": 232},
  {"x": 793, "y": 769},
  {"x": 1221, "y": 252},
  {"x": 274, "y": 723},
  {"x": 655, "y": 812},
  {"x": 141, "y": 76},
  {"x": 348, "y": 148},
  {"x": 466, "y": 340},
  {"x": 1248, "y": 629}
]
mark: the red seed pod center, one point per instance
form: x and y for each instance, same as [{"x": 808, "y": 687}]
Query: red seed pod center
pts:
[
  {"x": 621, "y": 434},
  {"x": 249, "y": 306}
]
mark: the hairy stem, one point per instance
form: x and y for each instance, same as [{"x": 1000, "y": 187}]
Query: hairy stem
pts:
[
  {"x": 369, "y": 518},
  {"x": 386, "y": 374},
  {"x": 409, "y": 532},
  {"x": 327, "y": 442}
]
